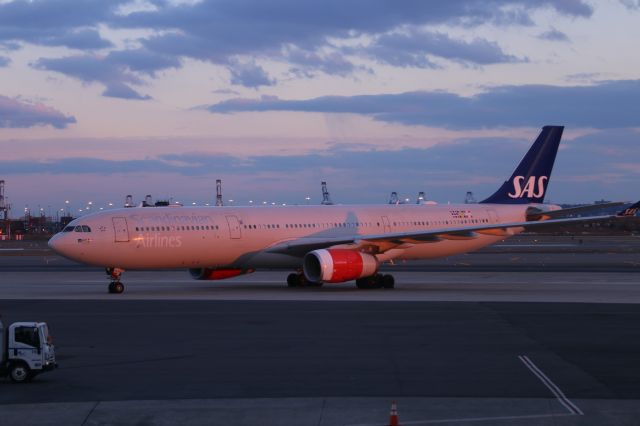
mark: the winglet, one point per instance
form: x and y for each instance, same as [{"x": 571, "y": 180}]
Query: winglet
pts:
[{"x": 630, "y": 211}]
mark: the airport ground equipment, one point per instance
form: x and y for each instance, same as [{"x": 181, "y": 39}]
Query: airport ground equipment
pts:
[{"x": 26, "y": 350}]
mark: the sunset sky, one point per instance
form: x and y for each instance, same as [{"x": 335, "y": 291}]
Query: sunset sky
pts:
[{"x": 99, "y": 99}]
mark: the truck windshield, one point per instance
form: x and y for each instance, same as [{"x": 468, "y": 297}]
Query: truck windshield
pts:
[{"x": 46, "y": 337}]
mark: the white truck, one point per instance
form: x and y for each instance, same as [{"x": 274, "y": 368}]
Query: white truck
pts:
[{"x": 26, "y": 350}]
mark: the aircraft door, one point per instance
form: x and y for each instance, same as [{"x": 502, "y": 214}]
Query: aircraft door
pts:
[
  {"x": 385, "y": 223},
  {"x": 120, "y": 228},
  {"x": 493, "y": 216},
  {"x": 234, "y": 227}
]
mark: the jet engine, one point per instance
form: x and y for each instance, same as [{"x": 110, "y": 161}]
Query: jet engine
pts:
[
  {"x": 216, "y": 274},
  {"x": 338, "y": 265}
]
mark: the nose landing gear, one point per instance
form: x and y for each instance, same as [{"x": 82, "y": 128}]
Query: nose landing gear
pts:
[{"x": 115, "y": 286}]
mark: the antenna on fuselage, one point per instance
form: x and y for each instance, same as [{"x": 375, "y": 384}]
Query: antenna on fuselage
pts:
[
  {"x": 128, "y": 201},
  {"x": 219, "y": 202},
  {"x": 420, "y": 198},
  {"x": 326, "y": 198}
]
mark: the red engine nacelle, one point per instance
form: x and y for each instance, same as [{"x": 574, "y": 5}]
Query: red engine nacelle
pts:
[
  {"x": 338, "y": 265},
  {"x": 216, "y": 274}
]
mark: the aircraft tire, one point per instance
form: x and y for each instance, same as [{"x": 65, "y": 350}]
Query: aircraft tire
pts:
[
  {"x": 118, "y": 287},
  {"x": 293, "y": 280},
  {"x": 368, "y": 283},
  {"x": 388, "y": 281}
]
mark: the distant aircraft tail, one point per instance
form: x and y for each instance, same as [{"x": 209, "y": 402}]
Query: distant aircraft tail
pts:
[
  {"x": 630, "y": 211},
  {"x": 529, "y": 181}
]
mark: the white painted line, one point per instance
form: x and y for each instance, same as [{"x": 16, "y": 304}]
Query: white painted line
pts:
[
  {"x": 467, "y": 420},
  {"x": 562, "y": 398}
]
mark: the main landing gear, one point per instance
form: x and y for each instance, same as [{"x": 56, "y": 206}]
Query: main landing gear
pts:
[
  {"x": 299, "y": 280},
  {"x": 376, "y": 281},
  {"x": 115, "y": 286}
]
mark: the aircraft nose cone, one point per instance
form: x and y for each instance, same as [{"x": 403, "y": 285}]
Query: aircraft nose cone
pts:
[{"x": 54, "y": 243}]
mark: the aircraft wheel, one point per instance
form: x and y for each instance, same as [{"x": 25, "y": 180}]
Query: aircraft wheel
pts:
[
  {"x": 388, "y": 281},
  {"x": 368, "y": 283},
  {"x": 116, "y": 287},
  {"x": 293, "y": 280}
]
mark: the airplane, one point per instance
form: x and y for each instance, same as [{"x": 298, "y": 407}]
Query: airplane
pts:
[{"x": 321, "y": 244}]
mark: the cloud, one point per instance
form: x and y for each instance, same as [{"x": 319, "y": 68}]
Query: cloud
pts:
[
  {"x": 415, "y": 47},
  {"x": 4, "y": 61},
  {"x": 225, "y": 92},
  {"x": 249, "y": 75},
  {"x": 605, "y": 105},
  {"x": 118, "y": 90},
  {"x": 19, "y": 114},
  {"x": 305, "y": 63},
  {"x": 143, "y": 61},
  {"x": 116, "y": 71},
  {"x": 631, "y": 4},
  {"x": 67, "y": 23},
  {"x": 82, "y": 39},
  {"x": 240, "y": 35},
  {"x": 300, "y": 33},
  {"x": 554, "y": 35}
]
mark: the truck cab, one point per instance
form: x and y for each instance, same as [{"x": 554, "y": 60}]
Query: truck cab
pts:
[{"x": 26, "y": 350}]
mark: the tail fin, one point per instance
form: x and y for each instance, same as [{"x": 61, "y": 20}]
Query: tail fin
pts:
[
  {"x": 529, "y": 181},
  {"x": 630, "y": 211}
]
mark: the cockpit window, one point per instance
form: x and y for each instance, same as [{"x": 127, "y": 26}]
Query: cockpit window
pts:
[
  {"x": 85, "y": 228},
  {"x": 78, "y": 228},
  {"x": 67, "y": 229}
]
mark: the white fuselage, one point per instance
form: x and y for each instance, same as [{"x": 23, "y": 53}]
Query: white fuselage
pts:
[{"x": 240, "y": 237}]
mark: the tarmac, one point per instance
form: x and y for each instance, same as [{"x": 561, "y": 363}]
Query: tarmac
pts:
[{"x": 533, "y": 331}]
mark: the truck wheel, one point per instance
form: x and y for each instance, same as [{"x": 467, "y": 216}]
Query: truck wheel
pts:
[{"x": 19, "y": 373}]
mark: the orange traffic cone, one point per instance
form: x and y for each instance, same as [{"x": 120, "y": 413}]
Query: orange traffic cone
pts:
[{"x": 393, "y": 418}]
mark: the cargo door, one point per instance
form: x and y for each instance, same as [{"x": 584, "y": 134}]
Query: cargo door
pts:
[
  {"x": 234, "y": 227},
  {"x": 120, "y": 229}
]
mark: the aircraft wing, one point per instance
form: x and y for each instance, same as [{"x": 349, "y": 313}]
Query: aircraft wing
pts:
[
  {"x": 379, "y": 243},
  {"x": 557, "y": 214}
]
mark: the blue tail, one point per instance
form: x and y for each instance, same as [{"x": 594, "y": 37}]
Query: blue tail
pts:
[{"x": 529, "y": 181}]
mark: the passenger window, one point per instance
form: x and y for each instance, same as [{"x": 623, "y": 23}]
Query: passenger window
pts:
[{"x": 28, "y": 336}]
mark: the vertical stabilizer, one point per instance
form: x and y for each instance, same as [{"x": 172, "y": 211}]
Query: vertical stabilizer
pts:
[{"x": 528, "y": 183}]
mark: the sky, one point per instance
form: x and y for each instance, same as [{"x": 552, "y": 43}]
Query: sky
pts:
[{"x": 103, "y": 99}]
